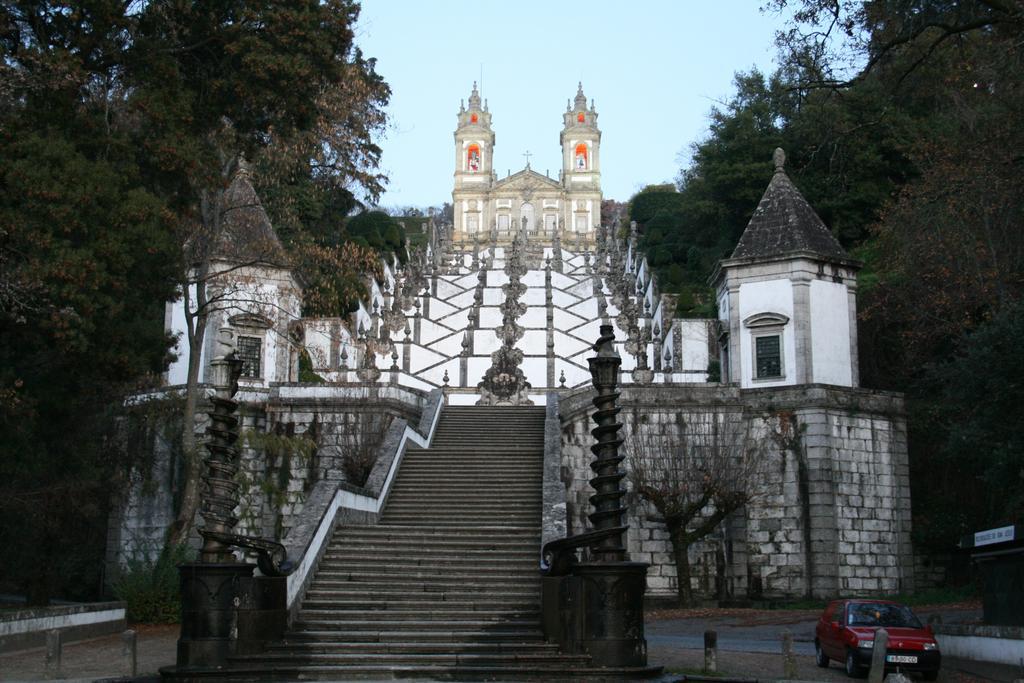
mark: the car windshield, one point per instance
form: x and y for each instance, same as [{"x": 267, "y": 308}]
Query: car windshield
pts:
[{"x": 880, "y": 614}]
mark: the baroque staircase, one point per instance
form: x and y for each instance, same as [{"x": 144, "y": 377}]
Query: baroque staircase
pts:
[{"x": 447, "y": 585}]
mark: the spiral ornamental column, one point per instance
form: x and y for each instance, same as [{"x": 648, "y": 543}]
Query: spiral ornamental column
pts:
[
  {"x": 607, "y": 499},
  {"x": 225, "y": 609}
]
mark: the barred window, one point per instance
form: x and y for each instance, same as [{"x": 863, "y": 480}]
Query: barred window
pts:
[
  {"x": 250, "y": 352},
  {"x": 768, "y": 356}
]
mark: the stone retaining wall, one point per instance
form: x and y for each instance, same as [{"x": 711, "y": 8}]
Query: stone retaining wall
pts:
[
  {"x": 277, "y": 471},
  {"x": 834, "y": 514}
]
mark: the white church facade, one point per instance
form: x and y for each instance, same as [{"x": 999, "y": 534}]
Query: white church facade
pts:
[{"x": 526, "y": 201}]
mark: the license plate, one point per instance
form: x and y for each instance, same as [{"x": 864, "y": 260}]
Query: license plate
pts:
[{"x": 901, "y": 659}]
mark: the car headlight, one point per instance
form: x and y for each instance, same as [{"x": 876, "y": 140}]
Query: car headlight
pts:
[
  {"x": 866, "y": 643},
  {"x": 931, "y": 646}
]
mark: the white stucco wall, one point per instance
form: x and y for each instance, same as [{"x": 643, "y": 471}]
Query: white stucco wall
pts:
[
  {"x": 830, "y": 333},
  {"x": 775, "y": 296}
]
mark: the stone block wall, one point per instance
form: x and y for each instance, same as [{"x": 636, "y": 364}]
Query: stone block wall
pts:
[
  {"x": 833, "y": 514},
  {"x": 292, "y": 439}
]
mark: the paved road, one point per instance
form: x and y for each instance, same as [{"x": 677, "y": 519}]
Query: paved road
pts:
[{"x": 749, "y": 645}]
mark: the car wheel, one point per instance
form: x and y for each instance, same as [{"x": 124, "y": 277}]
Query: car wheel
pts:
[
  {"x": 819, "y": 657},
  {"x": 853, "y": 669}
]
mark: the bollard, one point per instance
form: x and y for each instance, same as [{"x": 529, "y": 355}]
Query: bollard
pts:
[
  {"x": 710, "y": 652},
  {"x": 53, "y": 655},
  {"x": 130, "y": 652},
  {"x": 877, "y": 673},
  {"x": 788, "y": 656}
]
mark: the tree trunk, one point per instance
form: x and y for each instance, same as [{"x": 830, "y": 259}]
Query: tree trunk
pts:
[
  {"x": 188, "y": 505},
  {"x": 680, "y": 552}
]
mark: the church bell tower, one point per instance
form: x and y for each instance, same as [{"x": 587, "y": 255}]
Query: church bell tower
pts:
[
  {"x": 474, "y": 165},
  {"x": 581, "y": 163}
]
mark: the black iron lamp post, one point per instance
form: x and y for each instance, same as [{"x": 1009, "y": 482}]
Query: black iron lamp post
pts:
[
  {"x": 595, "y": 606},
  {"x": 226, "y": 609}
]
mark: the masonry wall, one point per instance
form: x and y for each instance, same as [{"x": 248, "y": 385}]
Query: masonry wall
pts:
[
  {"x": 834, "y": 515},
  {"x": 277, "y": 470}
]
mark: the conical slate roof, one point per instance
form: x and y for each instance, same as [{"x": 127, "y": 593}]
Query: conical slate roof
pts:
[
  {"x": 784, "y": 223},
  {"x": 246, "y": 235}
]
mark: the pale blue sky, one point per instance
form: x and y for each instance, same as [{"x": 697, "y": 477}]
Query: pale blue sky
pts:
[{"x": 654, "y": 68}]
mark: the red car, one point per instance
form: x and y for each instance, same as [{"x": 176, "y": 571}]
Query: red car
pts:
[{"x": 846, "y": 633}]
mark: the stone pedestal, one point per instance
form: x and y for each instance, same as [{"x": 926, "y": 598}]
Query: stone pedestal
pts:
[
  {"x": 226, "y": 611},
  {"x": 598, "y": 610}
]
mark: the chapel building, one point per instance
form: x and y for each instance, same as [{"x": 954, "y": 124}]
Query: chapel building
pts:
[{"x": 487, "y": 208}]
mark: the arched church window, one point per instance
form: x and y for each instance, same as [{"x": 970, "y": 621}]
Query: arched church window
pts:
[
  {"x": 473, "y": 158},
  {"x": 581, "y": 157}
]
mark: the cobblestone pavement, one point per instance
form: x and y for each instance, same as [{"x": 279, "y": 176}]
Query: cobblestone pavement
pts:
[{"x": 97, "y": 658}]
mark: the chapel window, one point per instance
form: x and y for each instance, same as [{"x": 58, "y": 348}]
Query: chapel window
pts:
[
  {"x": 473, "y": 158},
  {"x": 581, "y": 157},
  {"x": 250, "y": 352},
  {"x": 768, "y": 356}
]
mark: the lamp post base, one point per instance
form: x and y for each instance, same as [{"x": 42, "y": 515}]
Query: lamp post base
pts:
[
  {"x": 598, "y": 610},
  {"x": 226, "y": 611}
]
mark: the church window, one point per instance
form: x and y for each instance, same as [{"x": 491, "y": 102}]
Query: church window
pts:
[
  {"x": 503, "y": 222},
  {"x": 581, "y": 157},
  {"x": 250, "y": 352},
  {"x": 473, "y": 118},
  {"x": 581, "y": 118},
  {"x": 473, "y": 158},
  {"x": 471, "y": 224},
  {"x": 768, "y": 356},
  {"x": 581, "y": 223}
]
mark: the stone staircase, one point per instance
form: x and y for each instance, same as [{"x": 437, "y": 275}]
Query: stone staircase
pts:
[{"x": 447, "y": 585}]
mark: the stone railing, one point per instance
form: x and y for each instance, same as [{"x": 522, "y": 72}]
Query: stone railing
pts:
[
  {"x": 553, "y": 514},
  {"x": 331, "y": 502}
]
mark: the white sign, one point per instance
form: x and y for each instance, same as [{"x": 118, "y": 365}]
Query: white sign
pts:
[{"x": 990, "y": 536}]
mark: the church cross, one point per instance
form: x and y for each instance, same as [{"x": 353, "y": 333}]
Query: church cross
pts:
[{"x": 527, "y": 155}]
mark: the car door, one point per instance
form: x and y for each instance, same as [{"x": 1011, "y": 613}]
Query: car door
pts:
[{"x": 831, "y": 633}]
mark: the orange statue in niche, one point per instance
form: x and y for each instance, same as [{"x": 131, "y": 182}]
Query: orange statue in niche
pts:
[
  {"x": 581, "y": 157},
  {"x": 581, "y": 118},
  {"x": 473, "y": 158}
]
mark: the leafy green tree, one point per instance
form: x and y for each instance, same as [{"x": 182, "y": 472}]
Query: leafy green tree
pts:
[
  {"x": 281, "y": 85},
  {"x": 87, "y": 262}
]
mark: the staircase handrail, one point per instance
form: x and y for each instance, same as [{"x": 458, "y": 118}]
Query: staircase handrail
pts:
[{"x": 308, "y": 538}]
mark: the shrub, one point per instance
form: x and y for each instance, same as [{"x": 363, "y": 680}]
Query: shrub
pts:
[{"x": 151, "y": 589}]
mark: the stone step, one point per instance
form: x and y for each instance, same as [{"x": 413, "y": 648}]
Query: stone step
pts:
[
  {"x": 447, "y": 616},
  {"x": 388, "y": 593},
  {"x": 376, "y": 624},
  {"x": 397, "y": 537},
  {"x": 489, "y": 575},
  {"x": 438, "y": 549},
  {"x": 452, "y": 636},
  {"x": 413, "y": 647},
  {"x": 570, "y": 671},
  {"x": 360, "y": 560},
  {"x": 325, "y": 601},
  {"x": 455, "y": 521},
  {"x": 425, "y": 503},
  {"x": 421, "y": 658}
]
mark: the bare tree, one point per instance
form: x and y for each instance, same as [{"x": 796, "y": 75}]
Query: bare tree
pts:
[{"x": 695, "y": 470}]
